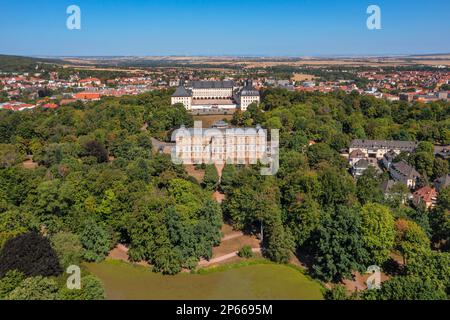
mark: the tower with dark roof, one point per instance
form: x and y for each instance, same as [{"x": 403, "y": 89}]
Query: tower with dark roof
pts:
[
  {"x": 248, "y": 95},
  {"x": 182, "y": 95}
]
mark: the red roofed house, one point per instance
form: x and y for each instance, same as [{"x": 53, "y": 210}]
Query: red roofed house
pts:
[
  {"x": 16, "y": 106},
  {"x": 50, "y": 106},
  {"x": 426, "y": 195},
  {"x": 87, "y": 96}
]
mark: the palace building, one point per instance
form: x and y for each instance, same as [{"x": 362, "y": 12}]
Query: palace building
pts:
[
  {"x": 220, "y": 95},
  {"x": 221, "y": 144}
]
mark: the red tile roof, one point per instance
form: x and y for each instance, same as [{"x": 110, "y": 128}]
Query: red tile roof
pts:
[
  {"x": 17, "y": 106},
  {"x": 87, "y": 95},
  {"x": 427, "y": 194},
  {"x": 50, "y": 106}
]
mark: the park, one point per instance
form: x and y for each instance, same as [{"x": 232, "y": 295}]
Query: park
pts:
[{"x": 252, "y": 279}]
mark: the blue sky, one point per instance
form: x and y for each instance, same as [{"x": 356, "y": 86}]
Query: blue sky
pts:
[{"x": 207, "y": 27}]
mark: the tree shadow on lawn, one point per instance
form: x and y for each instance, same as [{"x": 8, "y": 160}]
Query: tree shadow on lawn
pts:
[
  {"x": 305, "y": 258},
  {"x": 392, "y": 268}
]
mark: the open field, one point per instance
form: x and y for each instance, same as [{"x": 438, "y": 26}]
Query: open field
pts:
[
  {"x": 443, "y": 62},
  {"x": 95, "y": 68},
  {"x": 257, "y": 280},
  {"x": 264, "y": 62},
  {"x": 302, "y": 77}
]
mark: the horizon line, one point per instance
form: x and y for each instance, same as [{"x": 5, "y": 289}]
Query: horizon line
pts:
[{"x": 337, "y": 55}]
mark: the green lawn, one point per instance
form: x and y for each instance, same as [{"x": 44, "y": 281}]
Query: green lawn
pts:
[{"x": 257, "y": 281}]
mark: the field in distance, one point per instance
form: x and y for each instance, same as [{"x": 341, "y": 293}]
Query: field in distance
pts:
[{"x": 264, "y": 62}]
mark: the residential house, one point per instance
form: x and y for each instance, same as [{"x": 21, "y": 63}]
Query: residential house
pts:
[
  {"x": 404, "y": 173},
  {"x": 387, "y": 186},
  {"x": 355, "y": 156},
  {"x": 427, "y": 196},
  {"x": 442, "y": 152},
  {"x": 89, "y": 82},
  {"x": 388, "y": 158},
  {"x": 362, "y": 165},
  {"x": 359, "y": 167}
]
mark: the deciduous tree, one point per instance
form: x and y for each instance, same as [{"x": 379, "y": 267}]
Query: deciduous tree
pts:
[
  {"x": 378, "y": 232},
  {"x": 339, "y": 246},
  {"x": 31, "y": 254},
  {"x": 95, "y": 240},
  {"x": 410, "y": 239},
  {"x": 68, "y": 248},
  {"x": 211, "y": 178}
]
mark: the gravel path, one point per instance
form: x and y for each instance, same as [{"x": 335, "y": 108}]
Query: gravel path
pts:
[{"x": 205, "y": 263}]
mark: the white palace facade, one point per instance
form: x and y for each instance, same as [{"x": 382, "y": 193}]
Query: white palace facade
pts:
[
  {"x": 221, "y": 145},
  {"x": 220, "y": 95}
]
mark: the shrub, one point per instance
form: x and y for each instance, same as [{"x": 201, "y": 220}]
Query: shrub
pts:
[
  {"x": 9, "y": 282},
  {"x": 91, "y": 289},
  {"x": 338, "y": 292},
  {"x": 245, "y": 252},
  {"x": 167, "y": 261},
  {"x": 36, "y": 288}
]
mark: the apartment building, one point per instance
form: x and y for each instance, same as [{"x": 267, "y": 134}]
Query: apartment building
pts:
[{"x": 378, "y": 148}]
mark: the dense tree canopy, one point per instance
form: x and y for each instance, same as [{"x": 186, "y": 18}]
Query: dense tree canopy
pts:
[
  {"x": 98, "y": 183},
  {"x": 406, "y": 288},
  {"x": 35, "y": 288},
  {"x": 174, "y": 228},
  {"x": 440, "y": 220}
]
